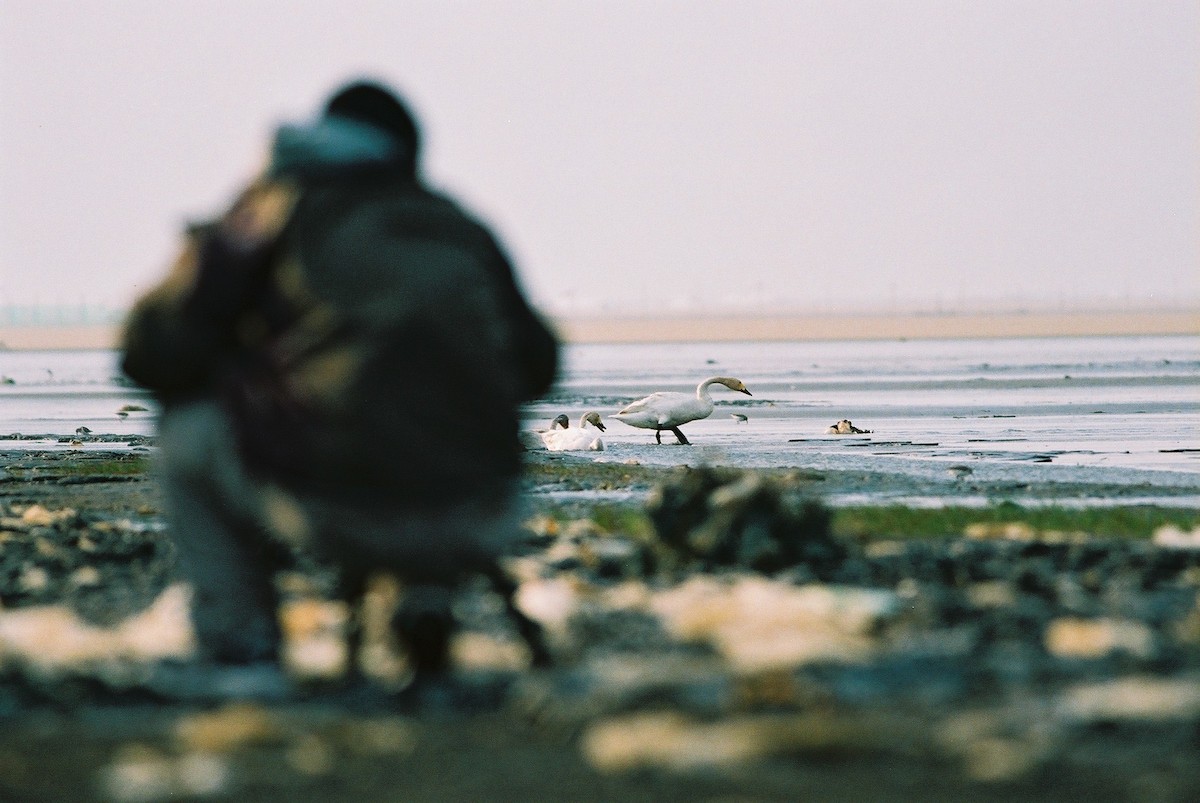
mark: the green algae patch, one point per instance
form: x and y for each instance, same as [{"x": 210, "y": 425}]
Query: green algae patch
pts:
[
  {"x": 110, "y": 466},
  {"x": 899, "y": 521},
  {"x": 580, "y": 475},
  {"x": 565, "y": 472}
]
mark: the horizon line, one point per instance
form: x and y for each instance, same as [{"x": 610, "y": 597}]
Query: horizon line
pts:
[{"x": 680, "y": 327}]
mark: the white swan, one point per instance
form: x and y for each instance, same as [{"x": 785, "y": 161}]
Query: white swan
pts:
[
  {"x": 532, "y": 438},
  {"x": 665, "y": 410},
  {"x": 577, "y": 439}
]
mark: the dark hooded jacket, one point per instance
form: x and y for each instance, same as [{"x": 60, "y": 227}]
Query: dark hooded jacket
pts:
[{"x": 365, "y": 334}]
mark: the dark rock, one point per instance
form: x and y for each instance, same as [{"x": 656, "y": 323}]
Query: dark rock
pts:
[{"x": 721, "y": 518}]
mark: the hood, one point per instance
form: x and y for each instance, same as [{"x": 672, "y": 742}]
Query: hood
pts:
[{"x": 333, "y": 145}]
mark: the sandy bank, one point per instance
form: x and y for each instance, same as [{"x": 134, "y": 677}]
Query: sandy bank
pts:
[
  {"x": 848, "y": 326},
  {"x": 617, "y": 328}
]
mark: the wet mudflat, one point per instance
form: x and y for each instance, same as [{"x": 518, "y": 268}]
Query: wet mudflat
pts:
[{"x": 719, "y": 634}]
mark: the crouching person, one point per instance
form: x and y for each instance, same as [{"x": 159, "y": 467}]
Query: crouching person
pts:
[{"x": 340, "y": 358}]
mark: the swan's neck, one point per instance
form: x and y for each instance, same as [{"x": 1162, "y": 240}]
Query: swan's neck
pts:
[{"x": 702, "y": 389}]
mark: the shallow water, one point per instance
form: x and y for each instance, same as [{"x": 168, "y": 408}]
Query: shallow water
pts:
[
  {"x": 1123, "y": 410},
  {"x": 1098, "y": 410},
  {"x": 55, "y": 392}
]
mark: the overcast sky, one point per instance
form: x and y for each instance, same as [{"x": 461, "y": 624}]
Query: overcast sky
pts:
[{"x": 642, "y": 155}]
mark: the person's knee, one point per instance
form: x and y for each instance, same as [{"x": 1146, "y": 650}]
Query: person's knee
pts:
[{"x": 187, "y": 436}]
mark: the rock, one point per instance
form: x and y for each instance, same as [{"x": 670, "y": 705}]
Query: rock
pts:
[
  {"x": 759, "y": 624},
  {"x": 229, "y": 728},
  {"x": 472, "y": 651},
  {"x": 1172, "y": 537},
  {"x": 1090, "y": 639},
  {"x": 38, "y": 516},
  {"x": 139, "y": 775},
  {"x": 314, "y": 632},
  {"x": 614, "y": 683},
  {"x": 310, "y": 755},
  {"x": 379, "y": 736},
  {"x": 745, "y": 519},
  {"x": 53, "y": 639},
  {"x": 33, "y": 580},
  {"x": 613, "y": 557},
  {"x": 675, "y": 742},
  {"x": 85, "y": 577},
  {"x": 1140, "y": 698},
  {"x": 991, "y": 594},
  {"x": 1013, "y": 531}
]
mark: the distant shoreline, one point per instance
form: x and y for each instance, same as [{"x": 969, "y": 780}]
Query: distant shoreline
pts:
[
  {"x": 767, "y": 327},
  {"x": 892, "y": 326}
]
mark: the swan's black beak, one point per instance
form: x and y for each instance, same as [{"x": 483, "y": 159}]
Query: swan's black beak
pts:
[
  {"x": 600, "y": 426},
  {"x": 748, "y": 393}
]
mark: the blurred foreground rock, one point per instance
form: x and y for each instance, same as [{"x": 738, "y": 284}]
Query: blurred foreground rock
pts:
[
  {"x": 726, "y": 518},
  {"x": 737, "y": 650}
]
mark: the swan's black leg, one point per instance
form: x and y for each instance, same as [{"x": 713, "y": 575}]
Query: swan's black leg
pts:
[
  {"x": 658, "y": 436},
  {"x": 680, "y": 436}
]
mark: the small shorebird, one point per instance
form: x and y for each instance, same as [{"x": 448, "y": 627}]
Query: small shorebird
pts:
[
  {"x": 844, "y": 427},
  {"x": 740, "y": 418},
  {"x": 667, "y": 410}
]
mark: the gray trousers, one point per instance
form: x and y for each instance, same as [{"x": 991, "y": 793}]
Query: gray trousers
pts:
[{"x": 232, "y": 529}]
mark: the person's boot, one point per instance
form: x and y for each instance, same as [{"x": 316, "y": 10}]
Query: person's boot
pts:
[{"x": 424, "y": 625}]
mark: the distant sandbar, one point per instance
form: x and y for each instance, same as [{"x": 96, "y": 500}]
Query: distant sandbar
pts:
[
  {"x": 913, "y": 326},
  {"x": 748, "y": 327}
]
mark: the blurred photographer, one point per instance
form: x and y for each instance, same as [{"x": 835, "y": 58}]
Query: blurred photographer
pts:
[{"x": 340, "y": 358}]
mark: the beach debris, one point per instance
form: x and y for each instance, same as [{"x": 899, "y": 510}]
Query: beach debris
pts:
[
  {"x": 845, "y": 427},
  {"x": 1072, "y": 637},
  {"x": 230, "y": 727},
  {"x": 759, "y": 624},
  {"x": 38, "y": 516},
  {"x": 106, "y": 571},
  {"x": 1176, "y": 538},
  {"x": 141, "y": 774},
  {"x": 550, "y": 602},
  {"x": 725, "y": 517},
  {"x": 314, "y": 633},
  {"x": 82, "y": 431},
  {"x": 739, "y": 418},
  {"x": 52, "y": 638},
  {"x": 667, "y": 740},
  {"x": 1139, "y": 698}
]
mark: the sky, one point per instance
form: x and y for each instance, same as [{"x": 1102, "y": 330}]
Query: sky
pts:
[{"x": 644, "y": 156}]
